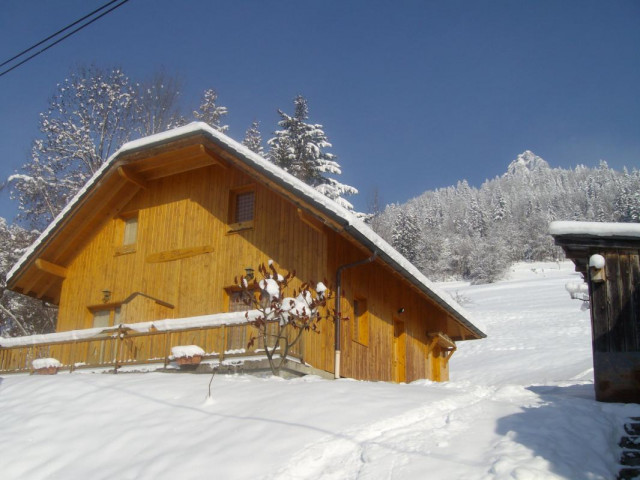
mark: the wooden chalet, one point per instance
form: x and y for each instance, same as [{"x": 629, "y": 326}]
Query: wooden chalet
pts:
[
  {"x": 608, "y": 255},
  {"x": 157, "y": 236}
]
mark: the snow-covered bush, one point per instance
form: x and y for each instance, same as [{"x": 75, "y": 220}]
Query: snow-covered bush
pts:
[{"x": 283, "y": 319}]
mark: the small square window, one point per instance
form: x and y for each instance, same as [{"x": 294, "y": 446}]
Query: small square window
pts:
[
  {"x": 130, "y": 231},
  {"x": 242, "y": 203},
  {"x": 237, "y": 302},
  {"x": 103, "y": 318},
  {"x": 126, "y": 233},
  {"x": 244, "y": 206}
]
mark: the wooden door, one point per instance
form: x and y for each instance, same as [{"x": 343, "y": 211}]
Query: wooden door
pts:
[{"x": 399, "y": 351}]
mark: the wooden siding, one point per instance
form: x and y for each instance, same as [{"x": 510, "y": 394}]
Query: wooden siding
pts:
[
  {"x": 185, "y": 255},
  {"x": 186, "y": 211},
  {"x": 386, "y": 295}
]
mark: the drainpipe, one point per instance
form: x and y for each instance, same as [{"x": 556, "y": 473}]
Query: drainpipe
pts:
[{"x": 338, "y": 310}]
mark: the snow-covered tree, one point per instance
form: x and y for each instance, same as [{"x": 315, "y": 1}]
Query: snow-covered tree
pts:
[
  {"x": 472, "y": 233},
  {"x": 300, "y": 149},
  {"x": 210, "y": 112},
  {"x": 253, "y": 139},
  {"x": 157, "y": 105},
  {"x": 91, "y": 114},
  {"x": 19, "y": 314},
  {"x": 88, "y": 118},
  {"x": 406, "y": 236}
]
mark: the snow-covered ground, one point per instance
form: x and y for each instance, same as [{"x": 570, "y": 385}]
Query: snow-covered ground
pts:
[{"x": 520, "y": 404}]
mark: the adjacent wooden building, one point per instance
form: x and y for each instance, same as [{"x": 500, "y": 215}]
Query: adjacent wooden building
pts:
[
  {"x": 163, "y": 228},
  {"x": 608, "y": 255}
]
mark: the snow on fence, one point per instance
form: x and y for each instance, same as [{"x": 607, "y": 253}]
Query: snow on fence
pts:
[{"x": 123, "y": 345}]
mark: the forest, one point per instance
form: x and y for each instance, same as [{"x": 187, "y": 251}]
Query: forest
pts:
[{"x": 462, "y": 232}]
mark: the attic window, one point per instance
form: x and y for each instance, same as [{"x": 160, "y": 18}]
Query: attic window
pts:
[
  {"x": 241, "y": 208},
  {"x": 127, "y": 233},
  {"x": 130, "y": 231}
]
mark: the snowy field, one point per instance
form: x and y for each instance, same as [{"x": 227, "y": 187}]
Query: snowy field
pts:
[{"x": 520, "y": 405}]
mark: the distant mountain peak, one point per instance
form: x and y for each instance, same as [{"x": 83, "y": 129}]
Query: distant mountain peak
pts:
[{"x": 526, "y": 163}]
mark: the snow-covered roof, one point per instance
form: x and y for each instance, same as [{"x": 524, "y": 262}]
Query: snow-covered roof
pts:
[
  {"x": 596, "y": 229},
  {"x": 347, "y": 220}
]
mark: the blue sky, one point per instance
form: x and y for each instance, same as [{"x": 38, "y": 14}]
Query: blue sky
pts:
[{"x": 414, "y": 95}]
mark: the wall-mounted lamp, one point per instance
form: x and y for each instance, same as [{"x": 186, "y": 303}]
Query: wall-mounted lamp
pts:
[
  {"x": 249, "y": 273},
  {"x": 400, "y": 310},
  {"x": 106, "y": 295}
]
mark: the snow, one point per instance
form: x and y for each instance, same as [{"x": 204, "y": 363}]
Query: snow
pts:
[
  {"x": 39, "y": 363},
  {"x": 270, "y": 286},
  {"x": 182, "y": 351},
  {"x": 597, "y": 261},
  {"x": 579, "y": 290},
  {"x": 349, "y": 220},
  {"x": 520, "y": 404},
  {"x": 166, "y": 325},
  {"x": 599, "y": 229}
]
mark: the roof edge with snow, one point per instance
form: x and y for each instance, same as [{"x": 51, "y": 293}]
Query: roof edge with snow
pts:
[
  {"x": 338, "y": 214},
  {"x": 595, "y": 229}
]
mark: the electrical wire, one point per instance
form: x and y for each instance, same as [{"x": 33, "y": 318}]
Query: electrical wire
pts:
[
  {"x": 57, "y": 33},
  {"x": 63, "y": 37}
]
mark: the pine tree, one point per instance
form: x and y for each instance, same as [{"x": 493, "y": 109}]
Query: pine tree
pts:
[
  {"x": 253, "y": 138},
  {"x": 299, "y": 148},
  {"x": 406, "y": 236},
  {"x": 499, "y": 206},
  {"x": 210, "y": 112}
]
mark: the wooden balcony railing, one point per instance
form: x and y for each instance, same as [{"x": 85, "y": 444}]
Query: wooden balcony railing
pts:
[{"x": 123, "y": 346}]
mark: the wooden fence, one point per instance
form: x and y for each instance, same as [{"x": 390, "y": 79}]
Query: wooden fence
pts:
[{"x": 121, "y": 347}]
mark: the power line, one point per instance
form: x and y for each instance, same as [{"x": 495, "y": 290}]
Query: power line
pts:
[
  {"x": 57, "y": 33},
  {"x": 63, "y": 37}
]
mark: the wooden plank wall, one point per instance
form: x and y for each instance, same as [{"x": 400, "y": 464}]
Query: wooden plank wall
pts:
[
  {"x": 385, "y": 295},
  {"x": 183, "y": 211},
  {"x": 615, "y": 305}
]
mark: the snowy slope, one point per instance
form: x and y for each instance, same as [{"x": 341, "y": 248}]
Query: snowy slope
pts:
[{"x": 520, "y": 405}]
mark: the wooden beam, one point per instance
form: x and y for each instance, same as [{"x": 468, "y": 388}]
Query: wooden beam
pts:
[
  {"x": 28, "y": 289},
  {"x": 442, "y": 339},
  {"x": 310, "y": 221},
  {"x": 51, "y": 268},
  {"x": 132, "y": 177},
  {"x": 215, "y": 157},
  {"x": 47, "y": 287},
  {"x": 178, "y": 254}
]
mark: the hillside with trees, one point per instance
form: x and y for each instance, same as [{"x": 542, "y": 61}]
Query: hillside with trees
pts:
[
  {"x": 454, "y": 232},
  {"x": 471, "y": 233}
]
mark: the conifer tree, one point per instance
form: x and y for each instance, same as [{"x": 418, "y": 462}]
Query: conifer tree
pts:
[
  {"x": 300, "y": 149},
  {"x": 253, "y": 139},
  {"x": 406, "y": 236},
  {"x": 210, "y": 112}
]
